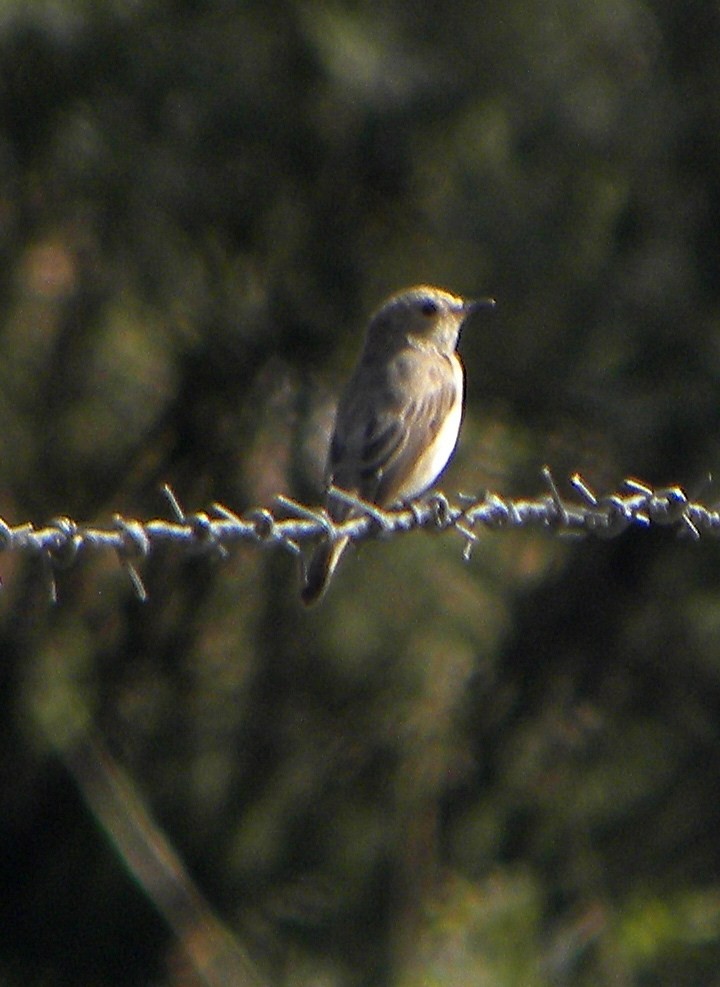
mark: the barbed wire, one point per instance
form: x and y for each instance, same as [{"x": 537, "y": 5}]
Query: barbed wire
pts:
[{"x": 290, "y": 524}]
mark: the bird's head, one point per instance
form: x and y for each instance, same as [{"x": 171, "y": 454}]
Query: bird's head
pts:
[{"x": 423, "y": 315}]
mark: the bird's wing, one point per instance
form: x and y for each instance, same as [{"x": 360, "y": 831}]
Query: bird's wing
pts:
[{"x": 379, "y": 440}]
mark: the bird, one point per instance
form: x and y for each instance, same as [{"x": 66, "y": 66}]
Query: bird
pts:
[{"x": 399, "y": 416}]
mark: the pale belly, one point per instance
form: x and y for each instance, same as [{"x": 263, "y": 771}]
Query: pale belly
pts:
[{"x": 435, "y": 458}]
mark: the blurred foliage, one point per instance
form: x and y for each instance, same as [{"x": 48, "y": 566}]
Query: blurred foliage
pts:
[{"x": 499, "y": 773}]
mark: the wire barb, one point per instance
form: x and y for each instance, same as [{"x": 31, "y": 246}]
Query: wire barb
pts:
[
  {"x": 290, "y": 525},
  {"x": 174, "y": 503},
  {"x": 555, "y": 494},
  {"x": 362, "y": 506},
  {"x": 134, "y": 543}
]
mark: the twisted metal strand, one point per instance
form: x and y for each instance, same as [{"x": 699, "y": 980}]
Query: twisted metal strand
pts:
[{"x": 290, "y": 525}]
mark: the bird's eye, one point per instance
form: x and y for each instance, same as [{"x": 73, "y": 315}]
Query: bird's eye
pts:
[{"x": 429, "y": 307}]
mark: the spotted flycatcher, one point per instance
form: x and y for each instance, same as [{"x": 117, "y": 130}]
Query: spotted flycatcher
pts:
[{"x": 399, "y": 417}]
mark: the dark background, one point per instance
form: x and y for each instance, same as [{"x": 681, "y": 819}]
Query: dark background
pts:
[{"x": 502, "y": 773}]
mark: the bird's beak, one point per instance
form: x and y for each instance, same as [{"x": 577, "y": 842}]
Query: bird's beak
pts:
[{"x": 477, "y": 304}]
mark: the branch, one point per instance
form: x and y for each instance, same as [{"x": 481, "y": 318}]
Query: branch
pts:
[
  {"x": 216, "y": 955},
  {"x": 291, "y": 525}
]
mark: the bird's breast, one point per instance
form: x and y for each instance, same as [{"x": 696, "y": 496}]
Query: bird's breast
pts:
[{"x": 434, "y": 457}]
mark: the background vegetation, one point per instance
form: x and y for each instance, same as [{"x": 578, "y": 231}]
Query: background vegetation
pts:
[{"x": 503, "y": 773}]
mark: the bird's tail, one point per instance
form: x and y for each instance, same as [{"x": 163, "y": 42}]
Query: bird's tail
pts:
[{"x": 320, "y": 569}]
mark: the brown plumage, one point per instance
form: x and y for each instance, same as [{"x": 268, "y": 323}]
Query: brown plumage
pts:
[{"x": 399, "y": 417}]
